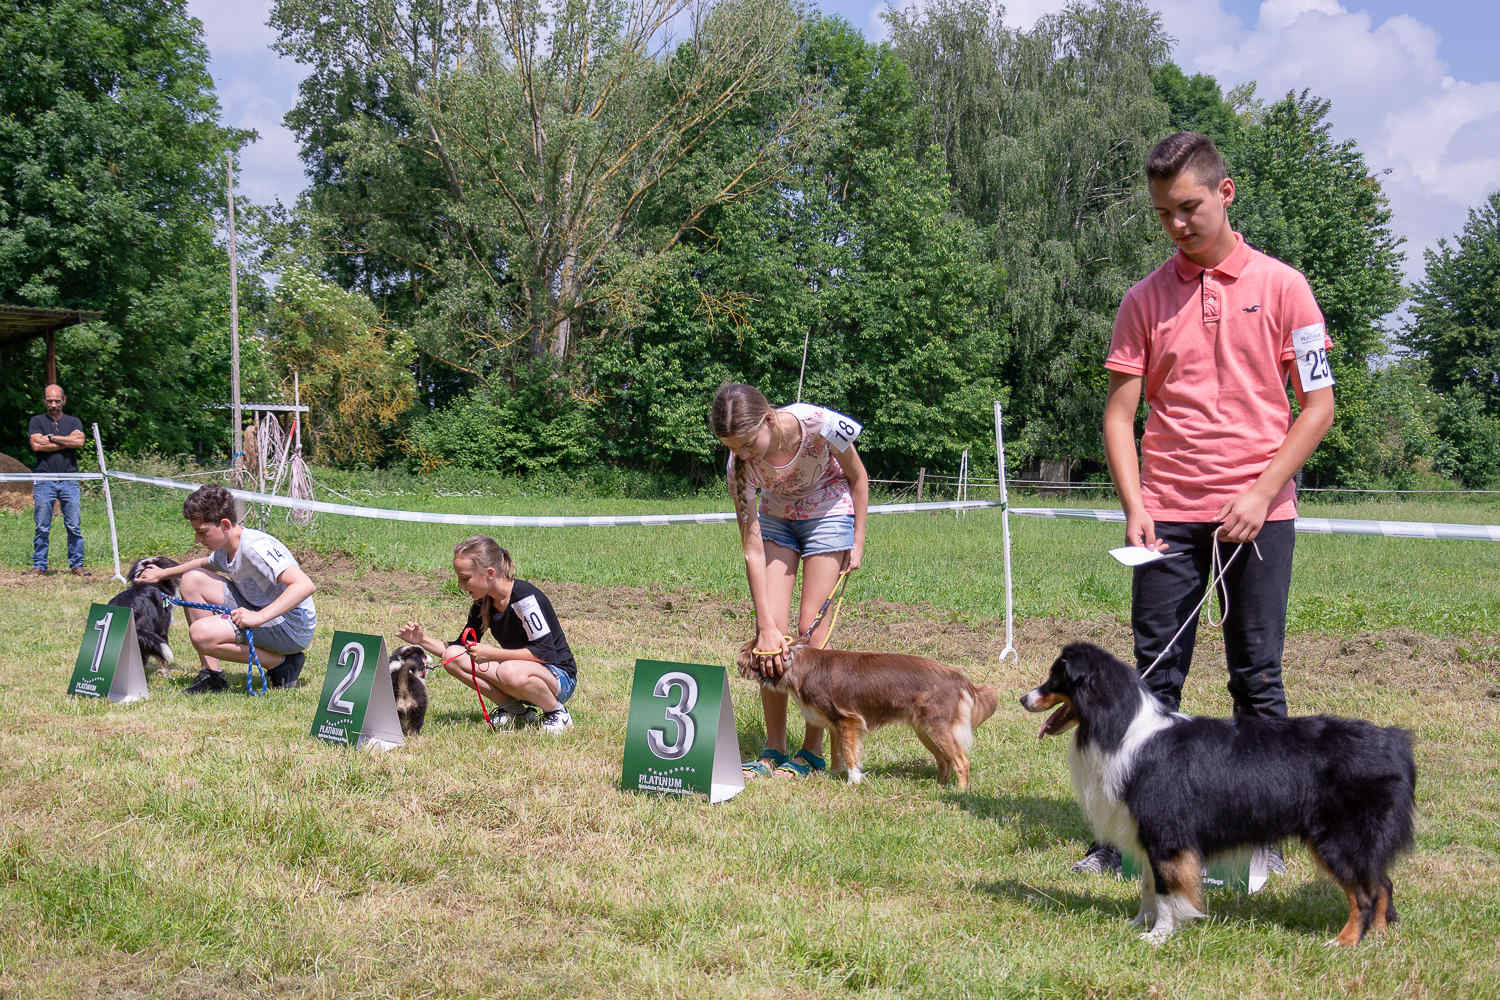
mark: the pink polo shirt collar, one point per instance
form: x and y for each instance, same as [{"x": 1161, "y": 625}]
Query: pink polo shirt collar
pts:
[{"x": 1230, "y": 267}]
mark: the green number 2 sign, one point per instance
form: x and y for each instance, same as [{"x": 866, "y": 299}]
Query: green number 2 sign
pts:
[{"x": 357, "y": 707}]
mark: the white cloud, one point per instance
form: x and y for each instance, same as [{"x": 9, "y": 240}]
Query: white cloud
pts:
[
  {"x": 234, "y": 28},
  {"x": 256, "y": 88}
]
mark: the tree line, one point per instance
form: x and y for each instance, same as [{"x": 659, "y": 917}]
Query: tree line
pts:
[{"x": 538, "y": 236}]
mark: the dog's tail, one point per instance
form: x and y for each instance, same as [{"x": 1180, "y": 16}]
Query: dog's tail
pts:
[{"x": 986, "y": 698}]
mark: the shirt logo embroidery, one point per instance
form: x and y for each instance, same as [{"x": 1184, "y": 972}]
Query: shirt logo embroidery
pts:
[{"x": 1254, "y": 308}]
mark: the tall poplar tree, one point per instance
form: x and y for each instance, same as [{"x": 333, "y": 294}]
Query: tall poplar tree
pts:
[{"x": 501, "y": 169}]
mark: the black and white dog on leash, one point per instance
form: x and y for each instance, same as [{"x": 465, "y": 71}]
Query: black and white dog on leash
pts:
[
  {"x": 1174, "y": 790},
  {"x": 408, "y": 666},
  {"x": 153, "y": 615}
]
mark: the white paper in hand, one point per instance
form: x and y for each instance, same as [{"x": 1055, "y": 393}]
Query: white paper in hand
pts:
[{"x": 1139, "y": 555}]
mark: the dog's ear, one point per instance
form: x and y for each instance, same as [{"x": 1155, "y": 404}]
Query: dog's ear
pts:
[{"x": 1077, "y": 665}]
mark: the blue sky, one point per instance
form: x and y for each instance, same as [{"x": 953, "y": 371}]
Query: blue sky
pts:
[{"x": 1417, "y": 86}]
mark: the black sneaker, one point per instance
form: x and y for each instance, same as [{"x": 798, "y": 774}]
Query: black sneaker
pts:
[
  {"x": 1101, "y": 859},
  {"x": 206, "y": 682},
  {"x": 285, "y": 673}
]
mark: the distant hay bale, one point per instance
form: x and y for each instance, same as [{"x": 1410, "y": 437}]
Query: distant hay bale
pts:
[
  {"x": 249, "y": 458},
  {"x": 14, "y": 496}
]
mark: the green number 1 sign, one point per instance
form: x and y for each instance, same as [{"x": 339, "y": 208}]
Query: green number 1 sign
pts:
[
  {"x": 680, "y": 737},
  {"x": 109, "y": 657},
  {"x": 358, "y": 708}
]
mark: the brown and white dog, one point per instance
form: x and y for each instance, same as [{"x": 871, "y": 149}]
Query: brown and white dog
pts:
[{"x": 850, "y": 693}]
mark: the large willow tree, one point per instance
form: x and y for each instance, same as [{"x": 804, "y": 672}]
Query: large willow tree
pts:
[{"x": 1046, "y": 134}]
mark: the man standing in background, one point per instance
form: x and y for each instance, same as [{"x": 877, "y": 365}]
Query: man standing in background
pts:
[{"x": 56, "y": 438}]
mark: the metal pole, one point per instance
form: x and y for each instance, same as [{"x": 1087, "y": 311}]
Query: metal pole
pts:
[
  {"x": 109, "y": 504},
  {"x": 1010, "y": 646},
  {"x": 234, "y": 324}
]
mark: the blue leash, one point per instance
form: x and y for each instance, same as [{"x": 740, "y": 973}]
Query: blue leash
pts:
[{"x": 249, "y": 641}]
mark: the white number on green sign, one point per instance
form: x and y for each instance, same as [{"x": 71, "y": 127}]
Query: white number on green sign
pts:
[
  {"x": 336, "y": 701},
  {"x": 103, "y": 626},
  {"x": 678, "y": 714}
]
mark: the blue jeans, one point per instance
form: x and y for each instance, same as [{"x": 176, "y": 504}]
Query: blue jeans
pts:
[
  {"x": 566, "y": 683},
  {"x": 811, "y": 537},
  {"x": 70, "y": 494}
]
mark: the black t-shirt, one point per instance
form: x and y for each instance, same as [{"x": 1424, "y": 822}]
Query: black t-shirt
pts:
[
  {"x": 528, "y": 622},
  {"x": 65, "y": 460}
]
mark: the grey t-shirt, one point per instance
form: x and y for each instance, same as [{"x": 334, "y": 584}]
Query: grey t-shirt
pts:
[{"x": 255, "y": 568}]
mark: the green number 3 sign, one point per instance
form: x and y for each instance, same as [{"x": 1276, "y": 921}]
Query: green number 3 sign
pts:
[{"x": 670, "y": 703}]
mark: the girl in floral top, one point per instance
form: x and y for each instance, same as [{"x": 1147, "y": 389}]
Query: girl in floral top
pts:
[{"x": 813, "y": 497}]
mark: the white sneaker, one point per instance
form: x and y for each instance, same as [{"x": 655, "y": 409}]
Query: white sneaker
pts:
[{"x": 556, "y": 721}]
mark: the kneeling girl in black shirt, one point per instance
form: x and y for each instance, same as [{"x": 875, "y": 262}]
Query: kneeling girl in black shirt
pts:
[{"x": 529, "y": 672}]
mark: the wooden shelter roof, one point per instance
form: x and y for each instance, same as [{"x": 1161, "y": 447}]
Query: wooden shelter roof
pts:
[
  {"x": 18, "y": 323},
  {"x": 25, "y": 322}
]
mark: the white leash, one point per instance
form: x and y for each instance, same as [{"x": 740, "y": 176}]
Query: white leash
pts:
[{"x": 1217, "y": 567}]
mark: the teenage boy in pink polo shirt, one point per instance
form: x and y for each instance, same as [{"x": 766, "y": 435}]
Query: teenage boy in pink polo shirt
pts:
[{"x": 1212, "y": 338}]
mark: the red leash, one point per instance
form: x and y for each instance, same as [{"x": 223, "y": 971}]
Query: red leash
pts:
[{"x": 469, "y": 641}]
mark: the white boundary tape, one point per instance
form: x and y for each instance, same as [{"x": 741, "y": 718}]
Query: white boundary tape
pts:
[
  {"x": 1308, "y": 525},
  {"x": 1316, "y": 525}
]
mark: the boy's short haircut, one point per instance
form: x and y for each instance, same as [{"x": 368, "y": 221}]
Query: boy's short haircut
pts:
[
  {"x": 210, "y": 504},
  {"x": 1186, "y": 151},
  {"x": 482, "y": 551}
]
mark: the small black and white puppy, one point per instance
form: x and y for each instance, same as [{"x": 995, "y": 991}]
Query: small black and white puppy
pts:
[
  {"x": 1174, "y": 790},
  {"x": 153, "y": 615},
  {"x": 408, "y": 664}
]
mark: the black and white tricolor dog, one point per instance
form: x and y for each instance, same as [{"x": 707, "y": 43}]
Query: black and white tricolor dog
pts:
[
  {"x": 153, "y": 615},
  {"x": 407, "y": 665},
  {"x": 1174, "y": 790}
]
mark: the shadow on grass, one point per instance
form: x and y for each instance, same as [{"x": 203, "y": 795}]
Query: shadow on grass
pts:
[
  {"x": 1313, "y": 907},
  {"x": 1037, "y": 822}
]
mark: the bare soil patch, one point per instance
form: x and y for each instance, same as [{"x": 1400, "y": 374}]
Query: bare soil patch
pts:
[{"x": 647, "y": 616}]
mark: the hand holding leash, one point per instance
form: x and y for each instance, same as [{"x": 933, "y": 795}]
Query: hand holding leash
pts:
[
  {"x": 769, "y": 652},
  {"x": 469, "y": 640}
]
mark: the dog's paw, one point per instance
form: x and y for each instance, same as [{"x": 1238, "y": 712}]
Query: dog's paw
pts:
[
  {"x": 1156, "y": 937},
  {"x": 1143, "y": 919}
]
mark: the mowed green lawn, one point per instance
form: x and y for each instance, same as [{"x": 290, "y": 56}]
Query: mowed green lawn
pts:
[{"x": 207, "y": 847}]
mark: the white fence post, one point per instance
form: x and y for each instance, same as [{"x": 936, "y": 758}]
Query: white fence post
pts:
[
  {"x": 1010, "y": 646},
  {"x": 109, "y": 504}
]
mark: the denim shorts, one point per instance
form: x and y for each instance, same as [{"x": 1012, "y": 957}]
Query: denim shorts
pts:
[
  {"x": 810, "y": 537},
  {"x": 566, "y": 683},
  {"x": 290, "y": 633}
]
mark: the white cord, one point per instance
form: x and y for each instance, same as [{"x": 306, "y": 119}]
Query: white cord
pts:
[{"x": 1217, "y": 567}]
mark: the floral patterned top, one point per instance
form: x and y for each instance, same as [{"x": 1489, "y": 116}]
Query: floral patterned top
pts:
[{"x": 811, "y": 484}]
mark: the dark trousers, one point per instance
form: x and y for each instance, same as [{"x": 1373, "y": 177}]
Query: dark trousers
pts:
[{"x": 1164, "y": 594}]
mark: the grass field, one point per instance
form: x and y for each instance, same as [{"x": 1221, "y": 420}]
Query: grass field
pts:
[{"x": 206, "y": 847}]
